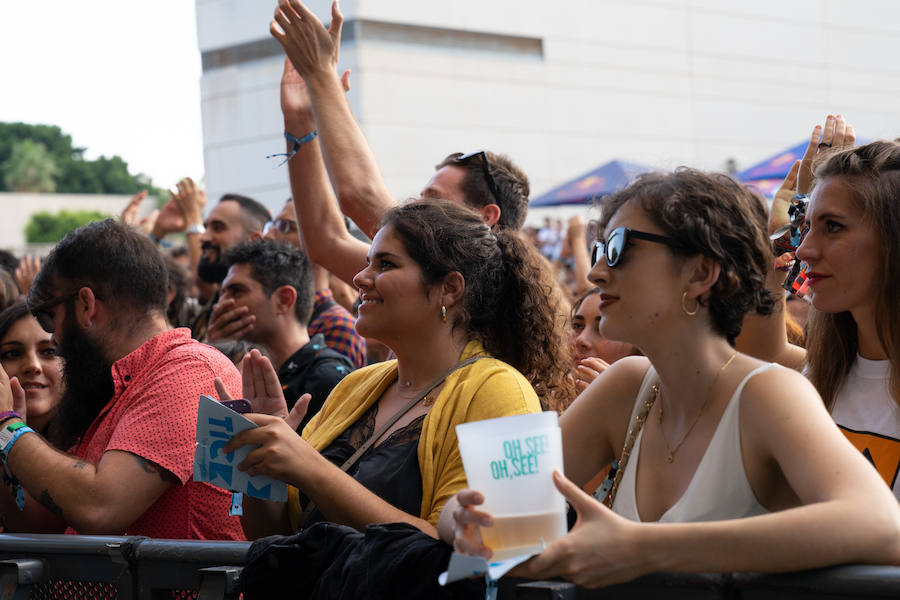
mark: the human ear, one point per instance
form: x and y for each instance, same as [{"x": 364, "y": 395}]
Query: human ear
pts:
[
  {"x": 702, "y": 272},
  {"x": 453, "y": 289},
  {"x": 85, "y": 307},
  {"x": 283, "y": 299},
  {"x": 490, "y": 214}
]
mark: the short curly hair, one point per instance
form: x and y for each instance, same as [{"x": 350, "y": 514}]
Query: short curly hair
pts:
[
  {"x": 712, "y": 215},
  {"x": 273, "y": 265}
]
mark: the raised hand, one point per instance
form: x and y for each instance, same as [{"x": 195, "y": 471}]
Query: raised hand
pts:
[
  {"x": 25, "y": 273},
  {"x": 836, "y": 134},
  {"x": 129, "y": 214},
  {"x": 229, "y": 322},
  {"x": 12, "y": 394},
  {"x": 312, "y": 49},
  {"x": 190, "y": 201},
  {"x": 169, "y": 220},
  {"x": 264, "y": 391},
  {"x": 778, "y": 216},
  {"x": 587, "y": 370}
]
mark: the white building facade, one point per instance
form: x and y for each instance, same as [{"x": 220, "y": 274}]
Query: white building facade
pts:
[{"x": 560, "y": 87}]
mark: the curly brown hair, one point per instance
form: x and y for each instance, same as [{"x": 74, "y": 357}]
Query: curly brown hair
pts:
[
  {"x": 510, "y": 304},
  {"x": 712, "y": 215},
  {"x": 872, "y": 175}
]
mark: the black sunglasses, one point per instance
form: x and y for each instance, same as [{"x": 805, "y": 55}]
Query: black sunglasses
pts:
[
  {"x": 615, "y": 245},
  {"x": 464, "y": 159},
  {"x": 284, "y": 226},
  {"x": 43, "y": 312}
]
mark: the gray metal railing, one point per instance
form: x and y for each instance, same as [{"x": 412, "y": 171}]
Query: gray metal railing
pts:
[
  {"x": 34, "y": 567},
  {"x": 38, "y": 566}
]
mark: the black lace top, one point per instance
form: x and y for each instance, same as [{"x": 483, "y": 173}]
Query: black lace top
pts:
[{"x": 389, "y": 470}]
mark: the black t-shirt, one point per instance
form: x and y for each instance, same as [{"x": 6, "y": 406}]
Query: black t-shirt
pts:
[{"x": 314, "y": 369}]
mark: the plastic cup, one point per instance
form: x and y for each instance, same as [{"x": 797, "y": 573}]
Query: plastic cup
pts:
[{"x": 510, "y": 460}]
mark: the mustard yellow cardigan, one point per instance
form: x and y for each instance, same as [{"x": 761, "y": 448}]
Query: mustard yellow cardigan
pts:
[{"x": 486, "y": 389}]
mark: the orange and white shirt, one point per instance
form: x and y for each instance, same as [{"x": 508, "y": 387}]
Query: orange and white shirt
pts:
[{"x": 869, "y": 416}]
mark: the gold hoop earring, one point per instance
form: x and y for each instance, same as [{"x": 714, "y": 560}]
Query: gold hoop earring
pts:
[
  {"x": 684, "y": 308},
  {"x": 443, "y": 313}
]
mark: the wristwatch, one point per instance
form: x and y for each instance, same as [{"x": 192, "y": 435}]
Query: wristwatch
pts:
[{"x": 197, "y": 228}]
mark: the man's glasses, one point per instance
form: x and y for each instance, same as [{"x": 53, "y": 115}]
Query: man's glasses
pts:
[
  {"x": 614, "y": 247},
  {"x": 465, "y": 159},
  {"x": 285, "y": 226},
  {"x": 43, "y": 312}
]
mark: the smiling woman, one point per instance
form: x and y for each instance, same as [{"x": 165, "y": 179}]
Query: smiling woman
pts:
[
  {"x": 29, "y": 353},
  {"x": 466, "y": 312}
]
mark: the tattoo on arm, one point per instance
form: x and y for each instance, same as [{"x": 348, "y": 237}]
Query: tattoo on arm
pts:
[
  {"x": 50, "y": 504},
  {"x": 79, "y": 465},
  {"x": 151, "y": 467}
]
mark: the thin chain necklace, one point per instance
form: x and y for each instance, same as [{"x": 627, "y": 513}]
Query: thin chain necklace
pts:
[{"x": 670, "y": 458}]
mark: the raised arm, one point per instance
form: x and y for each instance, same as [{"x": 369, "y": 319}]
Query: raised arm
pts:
[
  {"x": 351, "y": 166},
  {"x": 327, "y": 240}
]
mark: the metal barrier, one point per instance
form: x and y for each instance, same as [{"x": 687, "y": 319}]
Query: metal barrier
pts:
[
  {"x": 835, "y": 583},
  {"x": 34, "y": 566}
]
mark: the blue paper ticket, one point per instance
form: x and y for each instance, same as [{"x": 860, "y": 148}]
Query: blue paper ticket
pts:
[{"x": 216, "y": 424}]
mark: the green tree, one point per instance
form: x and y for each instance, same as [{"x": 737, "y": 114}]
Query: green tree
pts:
[
  {"x": 29, "y": 168},
  {"x": 47, "y": 228},
  {"x": 75, "y": 174}
]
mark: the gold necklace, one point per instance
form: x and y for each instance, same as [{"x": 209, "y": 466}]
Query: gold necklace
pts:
[{"x": 670, "y": 458}]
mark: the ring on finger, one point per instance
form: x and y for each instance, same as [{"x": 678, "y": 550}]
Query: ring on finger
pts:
[{"x": 823, "y": 145}]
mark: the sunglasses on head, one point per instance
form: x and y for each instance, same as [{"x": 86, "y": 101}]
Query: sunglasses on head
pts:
[
  {"x": 466, "y": 159},
  {"x": 43, "y": 312},
  {"x": 284, "y": 226},
  {"x": 615, "y": 245}
]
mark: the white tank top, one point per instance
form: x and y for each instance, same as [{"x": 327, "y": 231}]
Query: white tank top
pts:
[{"x": 719, "y": 488}]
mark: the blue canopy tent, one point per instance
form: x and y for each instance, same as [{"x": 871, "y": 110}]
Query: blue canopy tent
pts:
[
  {"x": 767, "y": 175},
  {"x": 593, "y": 185}
]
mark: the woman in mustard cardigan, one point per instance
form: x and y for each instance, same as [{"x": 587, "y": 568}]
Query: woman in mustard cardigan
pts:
[{"x": 447, "y": 295}]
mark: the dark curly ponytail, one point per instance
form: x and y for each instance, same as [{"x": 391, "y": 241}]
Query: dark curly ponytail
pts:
[{"x": 511, "y": 304}]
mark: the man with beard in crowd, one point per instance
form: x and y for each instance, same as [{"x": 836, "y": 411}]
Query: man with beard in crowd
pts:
[
  {"x": 233, "y": 220},
  {"x": 128, "y": 417}
]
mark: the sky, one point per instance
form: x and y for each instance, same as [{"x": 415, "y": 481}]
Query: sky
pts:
[{"x": 119, "y": 76}]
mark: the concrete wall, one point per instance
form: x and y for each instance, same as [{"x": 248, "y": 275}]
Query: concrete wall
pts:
[
  {"x": 18, "y": 208},
  {"x": 561, "y": 87}
]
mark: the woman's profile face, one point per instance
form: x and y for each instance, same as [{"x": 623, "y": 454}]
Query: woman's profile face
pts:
[
  {"x": 842, "y": 250},
  {"x": 586, "y": 339},
  {"x": 393, "y": 300},
  {"x": 27, "y": 352},
  {"x": 644, "y": 289}
]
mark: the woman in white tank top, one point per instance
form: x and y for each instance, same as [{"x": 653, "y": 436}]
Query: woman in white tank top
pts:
[{"x": 737, "y": 465}]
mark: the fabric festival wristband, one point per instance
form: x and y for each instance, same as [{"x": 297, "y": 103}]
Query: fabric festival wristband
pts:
[
  {"x": 9, "y": 414},
  {"x": 17, "y": 433},
  {"x": 297, "y": 143}
]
